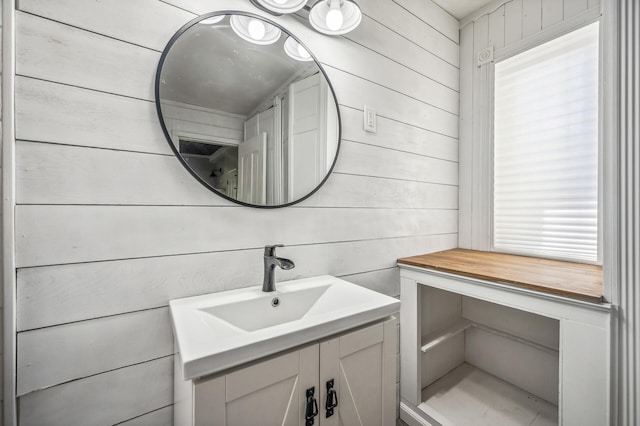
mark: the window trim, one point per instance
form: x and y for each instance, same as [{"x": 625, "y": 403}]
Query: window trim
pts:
[
  {"x": 474, "y": 224},
  {"x": 476, "y": 216}
]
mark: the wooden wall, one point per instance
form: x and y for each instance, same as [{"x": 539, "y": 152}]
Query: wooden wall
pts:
[
  {"x": 513, "y": 26},
  {"x": 628, "y": 210},
  {"x": 109, "y": 226},
  {"x": 192, "y": 121},
  {"x": 1, "y": 236}
]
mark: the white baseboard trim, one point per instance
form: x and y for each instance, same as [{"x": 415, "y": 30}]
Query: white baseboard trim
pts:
[{"x": 413, "y": 416}]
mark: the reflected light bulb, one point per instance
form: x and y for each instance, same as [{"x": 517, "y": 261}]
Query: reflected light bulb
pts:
[
  {"x": 303, "y": 52},
  {"x": 280, "y": 1},
  {"x": 335, "y": 19},
  {"x": 257, "y": 30}
]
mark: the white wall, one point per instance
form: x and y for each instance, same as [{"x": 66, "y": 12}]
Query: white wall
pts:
[
  {"x": 513, "y": 26},
  {"x": 109, "y": 226},
  {"x": 199, "y": 123},
  {"x": 627, "y": 236},
  {"x": 1, "y": 236}
]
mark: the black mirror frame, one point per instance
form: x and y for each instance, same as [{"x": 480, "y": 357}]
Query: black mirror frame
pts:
[{"x": 168, "y": 136}]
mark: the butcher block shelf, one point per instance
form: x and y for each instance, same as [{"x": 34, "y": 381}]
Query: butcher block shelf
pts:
[{"x": 567, "y": 279}]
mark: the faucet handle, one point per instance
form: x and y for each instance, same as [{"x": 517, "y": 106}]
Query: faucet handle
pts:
[{"x": 271, "y": 250}]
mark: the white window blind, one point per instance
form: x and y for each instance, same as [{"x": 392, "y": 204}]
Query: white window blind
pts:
[{"x": 546, "y": 149}]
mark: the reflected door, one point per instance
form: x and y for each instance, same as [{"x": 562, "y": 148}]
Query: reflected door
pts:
[
  {"x": 306, "y": 145},
  {"x": 252, "y": 182},
  {"x": 269, "y": 122}
]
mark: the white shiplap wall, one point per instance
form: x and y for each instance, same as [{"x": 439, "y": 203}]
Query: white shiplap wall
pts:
[
  {"x": 109, "y": 226},
  {"x": 628, "y": 209},
  {"x": 511, "y": 27},
  {"x": 1, "y": 236}
]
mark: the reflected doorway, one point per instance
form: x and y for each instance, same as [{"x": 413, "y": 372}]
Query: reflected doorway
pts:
[{"x": 215, "y": 163}]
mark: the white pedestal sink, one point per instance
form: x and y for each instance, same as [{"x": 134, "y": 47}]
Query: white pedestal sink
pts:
[{"x": 214, "y": 332}]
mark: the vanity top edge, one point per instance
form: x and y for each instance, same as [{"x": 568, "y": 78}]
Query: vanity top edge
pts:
[
  {"x": 559, "y": 278},
  {"x": 200, "y": 367}
]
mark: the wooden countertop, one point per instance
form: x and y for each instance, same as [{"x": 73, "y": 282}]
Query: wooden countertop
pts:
[{"x": 568, "y": 279}]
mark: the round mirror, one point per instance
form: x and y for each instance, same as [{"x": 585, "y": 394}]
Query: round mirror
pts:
[{"x": 247, "y": 109}]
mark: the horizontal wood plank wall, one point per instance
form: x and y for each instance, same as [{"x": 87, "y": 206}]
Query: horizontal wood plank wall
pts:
[
  {"x": 514, "y": 25},
  {"x": 111, "y": 227},
  {"x": 1, "y": 292},
  {"x": 160, "y": 417},
  {"x": 190, "y": 121},
  {"x": 628, "y": 211}
]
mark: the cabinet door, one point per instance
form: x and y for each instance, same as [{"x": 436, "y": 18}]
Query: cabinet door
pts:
[
  {"x": 271, "y": 392},
  {"x": 362, "y": 365}
]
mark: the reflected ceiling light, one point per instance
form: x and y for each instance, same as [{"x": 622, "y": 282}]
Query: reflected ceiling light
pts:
[
  {"x": 213, "y": 20},
  {"x": 335, "y": 17},
  {"x": 254, "y": 30},
  {"x": 281, "y": 6},
  {"x": 331, "y": 17},
  {"x": 296, "y": 51}
]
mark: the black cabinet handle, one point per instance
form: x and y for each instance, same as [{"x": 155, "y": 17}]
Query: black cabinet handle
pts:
[
  {"x": 312, "y": 407},
  {"x": 332, "y": 398}
]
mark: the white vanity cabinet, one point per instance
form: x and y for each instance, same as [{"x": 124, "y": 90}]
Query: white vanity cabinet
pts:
[
  {"x": 359, "y": 364},
  {"x": 480, "y": 352}
]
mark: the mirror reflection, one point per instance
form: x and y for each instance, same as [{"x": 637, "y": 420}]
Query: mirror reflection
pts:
[{"x": 247, "y": 110}]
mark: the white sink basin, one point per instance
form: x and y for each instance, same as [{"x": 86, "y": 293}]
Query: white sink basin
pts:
[
  {"x": 221, "y": 330},
  {"x": 259, "y": 312}
]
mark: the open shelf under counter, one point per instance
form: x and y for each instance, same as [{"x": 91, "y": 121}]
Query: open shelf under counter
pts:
[
  {"x": 432, "y": 340},
  {"x": 473, "y": 322},
  {"x": 453, "y": 400}
]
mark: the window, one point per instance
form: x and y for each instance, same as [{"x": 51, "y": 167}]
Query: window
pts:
[{"x": 546, "y": 149}]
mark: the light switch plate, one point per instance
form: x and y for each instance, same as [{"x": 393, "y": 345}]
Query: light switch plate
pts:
[{"x": 370, "y": 119}]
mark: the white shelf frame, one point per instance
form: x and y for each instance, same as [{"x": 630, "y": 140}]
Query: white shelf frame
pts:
[{"x": 584, "y": 347}]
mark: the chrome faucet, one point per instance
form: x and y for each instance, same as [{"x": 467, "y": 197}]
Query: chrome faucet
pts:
[{"x": 270, "y": 263}]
